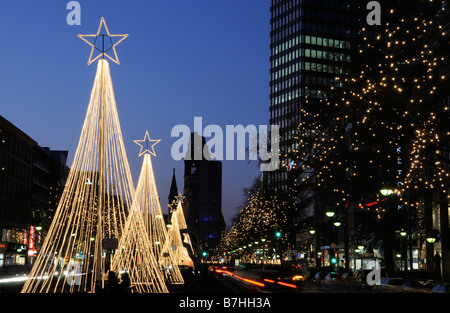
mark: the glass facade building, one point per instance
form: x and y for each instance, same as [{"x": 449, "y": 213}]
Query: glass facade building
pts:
[{"x": 313, "y": 43}]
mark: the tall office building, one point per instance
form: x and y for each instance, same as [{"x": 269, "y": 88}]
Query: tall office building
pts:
[
  {"x": 32, "y": 179},
  {"x": 312, "y": 43}
]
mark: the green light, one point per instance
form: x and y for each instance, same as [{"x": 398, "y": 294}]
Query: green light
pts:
[
  {"x": 278, "y": 234},
  {"x": 333, "y": 260},
  {"x": 204, "y": 253}
]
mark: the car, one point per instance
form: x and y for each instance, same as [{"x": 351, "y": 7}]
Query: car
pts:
[
  {"x": 417, "y": 286},
  {"x": 441, "y": 288},
  {"x": 318, "y": 277},
  {"x": 358, "y": 281},
  {"x": 330, "y": 279},
  {"x": 389, "y": 284}
]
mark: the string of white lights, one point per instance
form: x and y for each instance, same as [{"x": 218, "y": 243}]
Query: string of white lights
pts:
[
  {"x": 177, "y": 239},
  {"x": 100, "y": 171},
  {"x": 147, "y": 199}
]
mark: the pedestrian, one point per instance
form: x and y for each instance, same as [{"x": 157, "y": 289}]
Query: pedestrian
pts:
[
  {"x": 437, "y": 264},
  {"x": 112, "y": 285},
  {"x": 125, "y": 282}
]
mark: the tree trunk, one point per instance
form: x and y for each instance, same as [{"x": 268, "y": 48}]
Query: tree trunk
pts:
[
  {"x": 346, "y": 243},
  {"x": 445, "y": 244},
  {"x": 387, "y": 236},
  {"x": 428, "y": 210}
]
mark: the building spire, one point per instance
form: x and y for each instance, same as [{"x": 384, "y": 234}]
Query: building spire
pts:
[{"x": 173, "y": 191}]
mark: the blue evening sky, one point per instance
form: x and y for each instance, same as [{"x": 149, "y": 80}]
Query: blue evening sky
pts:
[{"x": 183, "y": 58}]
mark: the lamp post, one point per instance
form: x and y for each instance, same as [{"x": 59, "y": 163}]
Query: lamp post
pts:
[
  {"x": 312, "y": 254},
  {"x": 404, "y": 253}
]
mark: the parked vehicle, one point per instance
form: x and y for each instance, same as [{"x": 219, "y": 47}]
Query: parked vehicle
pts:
[
  {"x": 441, "y": 288},
  {"x": 330, "y": 280},
  {"x": 389, "y": 284},
  {"x": 418, "y": 286},
  {"x": 318, "y": 278},
  {"x": 359, "y": 281}
]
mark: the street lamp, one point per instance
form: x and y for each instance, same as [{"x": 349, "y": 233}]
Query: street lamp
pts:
[
  {"x": 386, "y": 192},
  {"x": 329, "y": 213},
  {"x": 403, "y": 233},
  {"x": 431, "y": 239},
  {"x": 312, "y": 231},
  {"x": 337, "y": 223}
]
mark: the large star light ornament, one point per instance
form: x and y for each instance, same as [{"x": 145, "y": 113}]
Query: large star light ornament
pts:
[
  {"x": 106, "y": 42},
  {"x": 149, "y": 144}
]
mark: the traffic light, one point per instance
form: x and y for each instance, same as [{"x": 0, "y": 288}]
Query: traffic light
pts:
[
  {"x": 278, "y": 234},
  {"x": 204, "y": 253},
  {"x": 333, "y": 260}
]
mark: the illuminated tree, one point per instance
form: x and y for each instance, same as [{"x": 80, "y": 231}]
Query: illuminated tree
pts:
[
  {"x": 262, "y": 214},
  {"x": 387, "y": 126},
  {"x": 93, "y": 205},
  {"x": 135, "y": 257},
  {"x": 179, "y": 242},
  {"x": 146, "y": 198}
]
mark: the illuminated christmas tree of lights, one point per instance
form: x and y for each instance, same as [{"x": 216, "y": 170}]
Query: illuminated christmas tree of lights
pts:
[
  {"x": 182, "y": 225},
  {"x": 135, "y": 254},
  {"x": 146, "y": 198},
  {"x": 176, "y": 241},
  {"x": 96, "y": 197}
]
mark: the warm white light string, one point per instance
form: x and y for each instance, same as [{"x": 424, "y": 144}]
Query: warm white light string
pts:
[
  {"x": 72, "y": 235},
  {"x": 177, "y": 240},
  {"x": 147, "y": 199},
  {"x": 183, "y": 225},
  {"x": 135, "y": 256}
]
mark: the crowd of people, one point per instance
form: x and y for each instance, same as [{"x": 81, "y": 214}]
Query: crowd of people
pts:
[{"x": 116, "y": 285}]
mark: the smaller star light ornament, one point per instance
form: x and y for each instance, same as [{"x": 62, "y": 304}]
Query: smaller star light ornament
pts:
[
  {"x": 106, "y": 43},
  {"x": 147, "y": 142},
  {"x": 181, "y": 198},
  {"x": 178, "y": 200}
]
